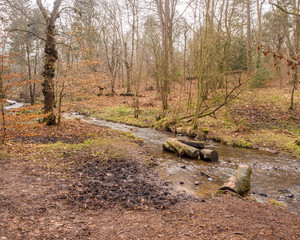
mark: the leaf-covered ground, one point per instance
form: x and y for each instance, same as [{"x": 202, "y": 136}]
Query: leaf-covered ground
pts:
[{"x": 78, "y": 181}]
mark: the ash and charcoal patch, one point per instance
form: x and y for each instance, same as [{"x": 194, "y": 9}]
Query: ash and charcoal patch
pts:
[
  {"x": 48, "y": 139},
  {"x": 119, "y": 182}
]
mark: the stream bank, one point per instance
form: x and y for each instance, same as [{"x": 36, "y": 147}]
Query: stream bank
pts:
[{"x": 274, "y": 177}]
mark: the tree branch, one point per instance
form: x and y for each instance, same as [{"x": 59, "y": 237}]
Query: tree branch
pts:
[
  {"x": 43, "y": 9},
  {"x": 283, "y": 9},
  {"x": 22, "y": 30},
  {"x": 226, "y": 100},
  {"x": 55, "y": 11}
]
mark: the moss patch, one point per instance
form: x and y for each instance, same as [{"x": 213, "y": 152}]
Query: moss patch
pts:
[{"x": 123, "y": 114}]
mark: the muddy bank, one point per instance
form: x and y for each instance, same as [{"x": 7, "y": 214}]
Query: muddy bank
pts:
[{"x": 122, "y": 183}]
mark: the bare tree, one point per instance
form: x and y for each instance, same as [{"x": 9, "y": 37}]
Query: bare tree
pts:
[{"x": 249, "y": 38}]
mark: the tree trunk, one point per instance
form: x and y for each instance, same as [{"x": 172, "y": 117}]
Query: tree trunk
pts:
[
  {"x": 50, "y": 59},
  {"x": 201, "y": 68},
  {"x": 49, "y": 72},
  {"x": 249, "y": 52},
  {"x": 240, "y": 182},
  {"x": 128, "y": 67},
  {"x": 296, "y": 52},
  {"x": 31, "y": 88},
  {"x": 259, "y": 30}
]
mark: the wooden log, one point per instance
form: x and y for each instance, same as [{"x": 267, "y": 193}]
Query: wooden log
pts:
[
  {"x": 183, "y": 149},
  {"x": 168, "y": 147},
  {"x": 209, "y": 155},
  {"x": 127, "y": 94},
  {"x": 240, "y": 181},
  {"x": 195, "y": 144}
]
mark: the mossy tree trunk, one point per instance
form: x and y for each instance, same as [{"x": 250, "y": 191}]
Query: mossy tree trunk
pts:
[{"x": 50, "y": 59}]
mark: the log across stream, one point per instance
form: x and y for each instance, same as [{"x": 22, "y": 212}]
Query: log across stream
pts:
[
  {"x": 273, "y": 176},
  {"x": 191, "y": 149}
]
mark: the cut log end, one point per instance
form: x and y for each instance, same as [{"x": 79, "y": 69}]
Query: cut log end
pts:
[
  {"x": 168, "y": 147},
  {"x": 209, "y": 155}
]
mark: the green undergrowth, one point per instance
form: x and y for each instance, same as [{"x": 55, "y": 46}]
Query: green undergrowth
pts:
[
  {"x": 231, "y": 134},
  {"x": 123, "y": 114}
]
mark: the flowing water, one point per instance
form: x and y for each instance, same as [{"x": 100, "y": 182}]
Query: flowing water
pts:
[
  {"x": 274, "y": 176},
  {"x": 13, "y": 105}
]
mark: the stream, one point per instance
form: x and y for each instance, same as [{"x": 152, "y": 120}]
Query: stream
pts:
[
  {"x": 13, "y": 105},
  {"x": 274, "y": 176}
]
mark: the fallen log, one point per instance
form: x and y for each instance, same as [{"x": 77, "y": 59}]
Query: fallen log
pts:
[
  {"x": 240, "y": 182},
  {"x": 183, "y": 149},
  {"x": 209, "y": 155},
  {"x": 195, "y": 144},
  {"x": 127, "y": 94},
  {"x": 168, "y": 147}
]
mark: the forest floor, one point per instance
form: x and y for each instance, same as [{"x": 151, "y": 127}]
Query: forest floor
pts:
[
  {"x": 258, "y": 118},
  {"x": 78, "y": 181}
]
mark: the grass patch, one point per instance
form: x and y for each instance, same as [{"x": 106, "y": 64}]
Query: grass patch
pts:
[
  {"x": 63, "y": 156},
  {"x": 277, "y": 203},
  {"x": 123, "y": 114}
]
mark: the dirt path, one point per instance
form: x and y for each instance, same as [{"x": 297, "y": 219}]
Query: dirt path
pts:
[{"x": 37, "y": 201}]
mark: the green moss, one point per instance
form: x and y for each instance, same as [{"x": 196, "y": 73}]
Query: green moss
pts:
[
  {"x": 241, "y": 143},
  {"x": 132, "y": 137},
  {"x": 277, "y": 203},
  {"x": 92, "y": 135},
  {"x": 123, "y": 114}
]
